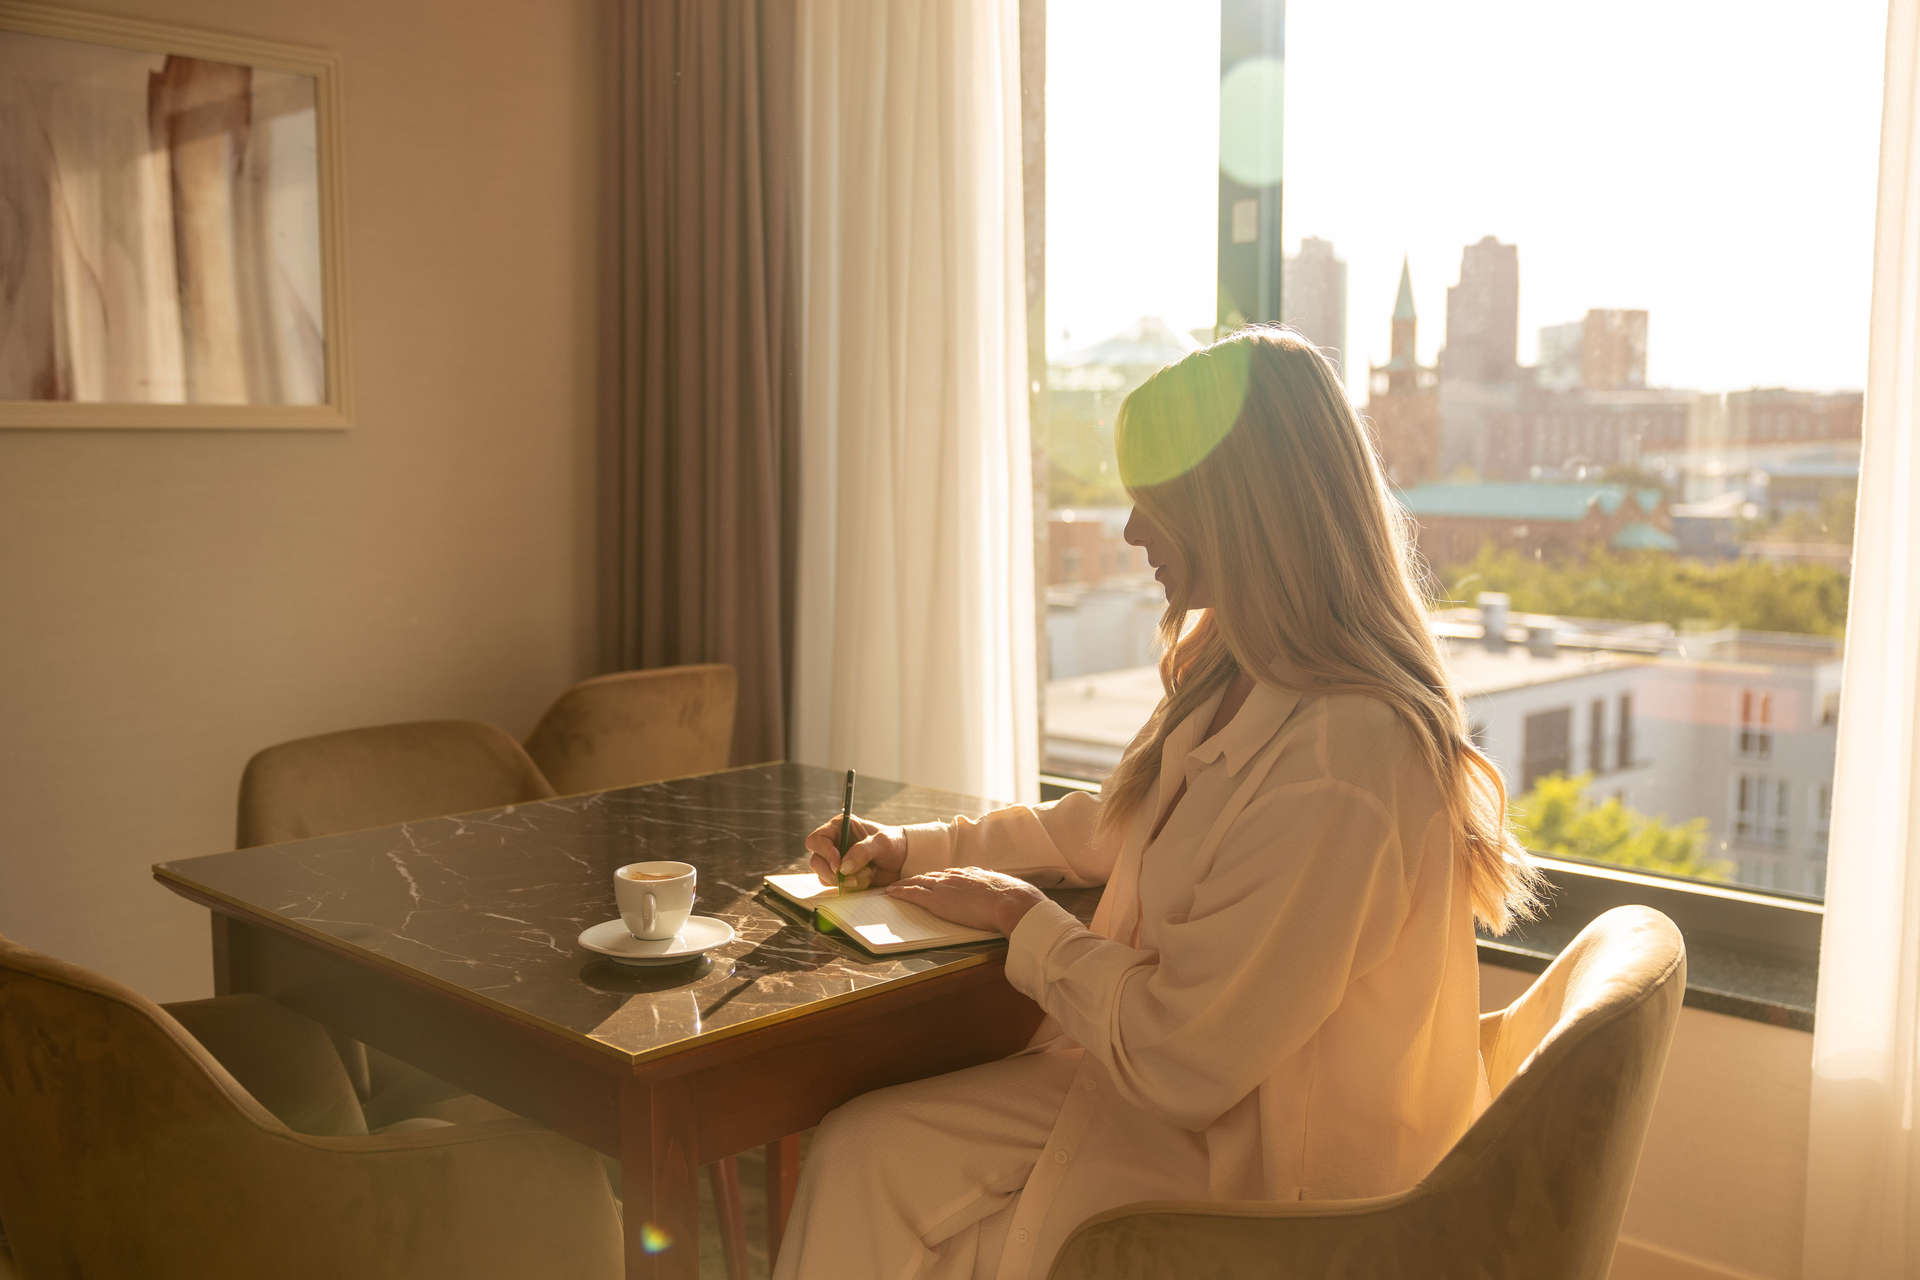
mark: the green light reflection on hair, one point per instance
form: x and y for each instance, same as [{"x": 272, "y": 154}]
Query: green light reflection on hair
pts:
[{"x": 1173, "y": 420}]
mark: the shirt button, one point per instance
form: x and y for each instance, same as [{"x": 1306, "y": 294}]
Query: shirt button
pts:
[
  {"x": 1059, "y": 1157},
  {"x": 1023, "y": 1235}
]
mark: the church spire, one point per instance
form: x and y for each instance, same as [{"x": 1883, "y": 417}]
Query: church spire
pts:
[{"x": 1403, "y": 305}]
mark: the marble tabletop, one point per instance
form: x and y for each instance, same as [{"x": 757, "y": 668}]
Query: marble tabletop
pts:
[{"x": 490, "y": 904}]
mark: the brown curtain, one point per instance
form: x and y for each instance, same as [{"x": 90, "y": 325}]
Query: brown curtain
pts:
[{"x": 698, "y": 465}]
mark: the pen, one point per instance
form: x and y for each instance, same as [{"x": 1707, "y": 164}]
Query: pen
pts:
[{"x": 846, "y": 830}]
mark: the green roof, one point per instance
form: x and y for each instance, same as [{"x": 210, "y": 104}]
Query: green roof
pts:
[
  {"x": 1644, "y": 537},
  {"x": 1403, "y": 305},
  {"x": 1522, "y": 500}
]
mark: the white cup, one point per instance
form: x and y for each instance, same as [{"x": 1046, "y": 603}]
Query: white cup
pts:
[{"x": 655, "y": 898}]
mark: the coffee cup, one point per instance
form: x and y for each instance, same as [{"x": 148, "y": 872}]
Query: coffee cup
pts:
[{"x": 655, "y": 898}]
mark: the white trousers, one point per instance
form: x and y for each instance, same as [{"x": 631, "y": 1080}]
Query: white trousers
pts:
[{"x": 921, "y": 1180}]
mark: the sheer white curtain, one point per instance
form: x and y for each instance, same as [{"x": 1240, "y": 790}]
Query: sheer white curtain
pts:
[
  {"x": 914, "y": 646},
  {"x": 1863, "y": 1171}
]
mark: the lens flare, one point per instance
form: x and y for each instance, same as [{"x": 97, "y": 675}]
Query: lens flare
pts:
[
  {"x": 654, "y": 1239},
  {"x": 1168, "y": 425},
  {"x": 1252, "y": 95}
]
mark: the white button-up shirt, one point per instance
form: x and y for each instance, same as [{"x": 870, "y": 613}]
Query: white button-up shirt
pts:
[{"x": 1279, "y": 996}]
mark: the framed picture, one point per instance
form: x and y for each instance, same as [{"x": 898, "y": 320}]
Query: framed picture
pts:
[{"x": 170, "y": 225}]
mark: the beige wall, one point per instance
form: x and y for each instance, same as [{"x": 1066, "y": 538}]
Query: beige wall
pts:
[
  {"x": 172, "y": 601},
  {"x": 1722, "y": 1180}
]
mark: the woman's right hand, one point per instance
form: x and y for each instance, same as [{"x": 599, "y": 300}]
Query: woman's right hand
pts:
[{"x": 878, "y": 853}]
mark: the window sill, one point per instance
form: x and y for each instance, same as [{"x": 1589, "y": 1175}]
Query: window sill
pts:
[
  {"x": 1721, "y": 978},
  {"x": 1749, "y": 955}
]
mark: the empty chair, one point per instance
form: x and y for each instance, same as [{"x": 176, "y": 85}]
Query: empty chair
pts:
[
  {"x": 374, "y": 777},
  {"x": 385, "y": 774},
  {"x": 631, "y": 727},
  {"x": 130, "y": 1150},
  {"x": 380, "y": 775},
  {"x": 1536, "y": 1187}
]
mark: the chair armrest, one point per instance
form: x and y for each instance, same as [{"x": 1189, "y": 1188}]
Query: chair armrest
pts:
[
  {"x": 1384, "y": 1238},
  {"x": 289, "y": 1063}
]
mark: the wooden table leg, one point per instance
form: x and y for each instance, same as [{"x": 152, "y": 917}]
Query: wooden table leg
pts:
[
  {"x": 660, "y": 1182},
  {"x": 783, "y": 1179},
  {"x": 725, "y": 1178}
]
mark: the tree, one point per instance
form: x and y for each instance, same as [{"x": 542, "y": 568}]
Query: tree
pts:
[
  {"x": 1831, "y": 523},
  {"x": 1652, "y": 586},
  {"x": 1081, "y": 471},
  {"x": 1558, "y": 818}
]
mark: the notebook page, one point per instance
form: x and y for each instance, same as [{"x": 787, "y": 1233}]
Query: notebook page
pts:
[
  {"x": 875, "y": 920},
  {"x": 803, "y": 887},
  {"x": 882, "y": 922}
]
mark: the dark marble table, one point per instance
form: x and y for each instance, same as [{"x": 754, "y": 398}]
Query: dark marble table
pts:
[{"x": 451, "y": 943}]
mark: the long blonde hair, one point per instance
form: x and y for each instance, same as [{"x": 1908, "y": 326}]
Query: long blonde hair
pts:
[{"x": 1249, "y": 458}]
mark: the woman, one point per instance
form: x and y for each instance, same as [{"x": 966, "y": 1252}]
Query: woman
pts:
[{"x": 1279, "y": 995}]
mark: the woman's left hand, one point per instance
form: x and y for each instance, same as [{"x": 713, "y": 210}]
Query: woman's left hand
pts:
[{"x": 970, "y": 896}]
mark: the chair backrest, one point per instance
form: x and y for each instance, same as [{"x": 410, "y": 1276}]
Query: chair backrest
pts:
[
  {"x": 1536, "y": 1187},
  {"x": 104, "y": 1100},
  {"x": 380, "y": 775},
  {"x": 633, "y": 727},
  {"x": 1575, "y": 1065}
]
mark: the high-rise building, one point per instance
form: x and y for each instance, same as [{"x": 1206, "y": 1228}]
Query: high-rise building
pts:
[
  {"x": 1483, "y": 315},
  {"x": 1613, "y": 351},
  {"x": 1313, "y": 298},
  {"x": 1605, "y": 351},
  {"x": 1403, "y": 399},
  {"x": 1558, "y": 366}
]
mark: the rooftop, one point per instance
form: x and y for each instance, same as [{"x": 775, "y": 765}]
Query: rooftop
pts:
[
  {"x": 1640, "y": 536},
  {"x": 1147, "y": 342},
  {"x": 1525, "y": 499}
]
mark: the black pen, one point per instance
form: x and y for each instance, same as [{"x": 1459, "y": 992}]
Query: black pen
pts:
[{"x": 846, "y": 830}]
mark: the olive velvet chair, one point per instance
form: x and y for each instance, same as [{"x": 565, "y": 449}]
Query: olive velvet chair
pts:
[
  {"x": 132, "y": 1150},
  {"x": 633, "y": 727},
  {"x": 1536, "y": 1187},
  {"x": 380, "y": 775},
  {"x": 385, "y": 774},
  {"x": 374, "y": 777}
]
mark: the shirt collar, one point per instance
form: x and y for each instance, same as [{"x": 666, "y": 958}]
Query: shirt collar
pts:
[{"x": 1252, "y": 727}]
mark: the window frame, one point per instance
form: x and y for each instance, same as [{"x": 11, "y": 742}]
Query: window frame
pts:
[{"x": 1781, "y": 926}]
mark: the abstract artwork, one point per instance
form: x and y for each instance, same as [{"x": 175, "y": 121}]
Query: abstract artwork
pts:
[{"x": 161, "y": 233}]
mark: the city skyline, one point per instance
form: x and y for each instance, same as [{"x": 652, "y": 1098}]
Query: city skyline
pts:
[{"x": 1698, "y": 174}]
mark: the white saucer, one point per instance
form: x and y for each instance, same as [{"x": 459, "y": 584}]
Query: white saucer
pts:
[{"x": 699, "y": 935}]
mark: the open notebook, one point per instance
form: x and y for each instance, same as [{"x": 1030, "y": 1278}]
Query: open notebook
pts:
[{"x": 872, "y": 919}]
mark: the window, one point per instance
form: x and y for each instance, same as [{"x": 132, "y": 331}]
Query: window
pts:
[
  {"x": 1756, "y": 725},
  {"x": 1546, "y": 745},
  {"x": 1130, "y": 285},
  {"x": 1665, "y": 487}
]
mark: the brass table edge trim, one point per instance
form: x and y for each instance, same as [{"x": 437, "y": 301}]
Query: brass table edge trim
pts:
[{"x": 765, "y": 1021}]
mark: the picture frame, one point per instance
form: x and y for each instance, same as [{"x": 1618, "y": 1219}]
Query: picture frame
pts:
[{"x": 172, "y": 210}]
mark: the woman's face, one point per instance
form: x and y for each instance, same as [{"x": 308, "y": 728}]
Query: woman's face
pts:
[{"x": 1172, "y": 570}]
